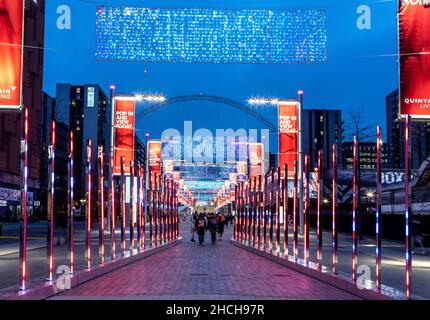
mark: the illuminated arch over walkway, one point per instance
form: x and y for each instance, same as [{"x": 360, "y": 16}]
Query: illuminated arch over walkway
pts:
[{"x": 216, "y": 99}]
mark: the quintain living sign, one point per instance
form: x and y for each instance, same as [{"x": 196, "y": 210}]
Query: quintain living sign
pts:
[{"x": 211, "y": 35}]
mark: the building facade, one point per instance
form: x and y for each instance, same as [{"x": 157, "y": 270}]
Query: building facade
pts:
[
  {"x": 367, "y": 155},
  {"x": 321, "y": 129},
  {"x": 10, "y": 123},
  {"x": 420, "y": 137},
  {"x": 86, "y": 110}
]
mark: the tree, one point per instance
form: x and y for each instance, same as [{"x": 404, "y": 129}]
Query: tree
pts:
[{"x": 355, "y": 127}]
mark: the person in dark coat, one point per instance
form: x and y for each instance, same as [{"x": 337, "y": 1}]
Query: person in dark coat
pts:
[
  {"x": 213, "y": 226},
  {"x": 200, "y": 226}
]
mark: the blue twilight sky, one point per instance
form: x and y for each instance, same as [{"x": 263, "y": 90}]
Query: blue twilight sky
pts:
[{"x": 361, "y": 68}]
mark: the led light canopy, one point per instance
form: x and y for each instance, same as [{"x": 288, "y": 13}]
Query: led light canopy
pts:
[{"x": 211, "y": 35}]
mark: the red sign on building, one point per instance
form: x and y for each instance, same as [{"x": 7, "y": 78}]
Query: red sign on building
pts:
[
  {"x": 414, "y": 58},
  {"x": 124, "y": 133},
  {"x": 154, "y": 156},
  {"x": 288, "y": 135},
  {"x": 11, "y": 50}
]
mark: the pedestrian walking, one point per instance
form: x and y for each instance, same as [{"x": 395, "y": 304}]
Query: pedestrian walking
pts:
[
  {"x": 221, "y": 223},
  {"x": 200, "y": 226},
  {"x": 213, "y": 226}
]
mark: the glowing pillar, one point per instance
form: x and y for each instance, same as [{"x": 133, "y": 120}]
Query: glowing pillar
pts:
[
  {"x": 51, "y": 208},
  {"x": 88, "y": 203},
  {"x": 24, "y": 185},
  {"x": 378, "y": 246},
  {"x": 71, "y": 203}
]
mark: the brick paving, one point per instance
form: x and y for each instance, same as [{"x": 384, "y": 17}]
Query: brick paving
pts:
[{"x": 210, "y": 272}]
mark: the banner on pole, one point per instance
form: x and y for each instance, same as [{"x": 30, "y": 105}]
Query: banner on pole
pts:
[
  {"x": 124, "y": 108},
  {"x": 414, "y": 58},
  {"x": 11, "y": 53},
  {"x": 255, "y": 159},
  {"x": 288, "y": 135},
  {"x": 154, "y": 156}
]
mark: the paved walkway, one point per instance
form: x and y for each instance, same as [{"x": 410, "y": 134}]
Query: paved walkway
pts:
[{"x": 220, "y": 271}]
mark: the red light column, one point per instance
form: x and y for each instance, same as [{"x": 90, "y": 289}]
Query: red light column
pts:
[
  {"x": 272, "y": 209},
  {"x": 285, "y": 207},
  {"x": 354, "y": 209},
  {"x": 334, "y": 209},
  {"x": 319, "y": 217},
  {"x": 101, "y": 206},
  {"x": 122, "y": 200},
  {"x": 306, "y": 212},
  {"x": 254, "y": 211},
  {"x": 151, "y": 210},
  {"x": 113, "y": 209},
  {"x": 132, "y": 208},
  {"x": 295, "y": 220},
  {"x": 88, "y": 203},
  {"x": 278, "y": 195},
  {"x": 50, "y": 234},
  {"x": 408, "y": 211},
  {"x": 378, "y": 210},
  {"x": 23, "y": 220},
  {"x": 259, "y": 213},
  {"x": 71, "y": 204},
  {"x": 139, "y": 207}
]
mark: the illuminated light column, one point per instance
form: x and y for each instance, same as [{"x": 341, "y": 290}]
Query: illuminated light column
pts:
[
  {"x": 319, "y": 213},
  {"x": 50, "y": 234},
  {"x": 143, "y": 204},
  {"x": 132, "y": 208},
  {"x": 157, "y": 206},
  {"x": 112, "y": 208},
  {"x": 160, "y": 211},
  {"x": 24, "y": 201},
  {"x": 334, "y": 209},
  {"x": 265, "y": 212},
  {"x": 151, "y": 210},
  {"x": 285, "y": 207},
  {"x": 165, "y": 211},
  {"x": 295, "y": 220},
  {"x": 254, "y": 211},
  {"x": 176, "y": 211},
  {"x": 245, "y": 212},
  {"x": 122, "y": 200},
  {"x": 272, "y": 209},
  {"x": 278, "y": 194},
  {"x": 249, "y": 211},
  {"x": 259, "y": 207},
  {"x": 241, "y": 213},
  {"x": 235, "y": 217},
  {"x": 306, "y": 211},
  {"x": 354, "y": 212},
  {"x": 88, "y": 202},
  {"x": 101, "y": 206},
  {"x": 408, "y": 211},
  {"x": 139, "y": 208},
  {"x": 172, "y": 210},
  {"x": 378, "y": 246},
  {"x": 71, "y": 204}
]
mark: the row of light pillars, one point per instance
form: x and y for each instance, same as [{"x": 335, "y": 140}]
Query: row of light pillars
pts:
[
  {"x": 258, "y": 209},
  {"x": 161, "y": 209}
]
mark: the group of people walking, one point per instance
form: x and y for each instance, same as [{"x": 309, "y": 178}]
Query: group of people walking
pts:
[{"x": 214, "y": 223}]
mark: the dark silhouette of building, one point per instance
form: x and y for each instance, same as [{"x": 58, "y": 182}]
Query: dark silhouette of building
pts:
[
  {"x": 321, "y": 129},
  {"x": 367, "y": 155},
  {"x": 10, "y": 123}
]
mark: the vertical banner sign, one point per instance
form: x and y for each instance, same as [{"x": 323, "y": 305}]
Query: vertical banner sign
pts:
[
  {"x": 11, "y": 49},
  {"x": 255, "y": 159},
  {"x": 414, "y": 58},
  {"x": 124, "y": 133},
  {"x": 288, "y": 134},
  {"x": 154, "y": 152},
  {"x": 241, "y": 171}
]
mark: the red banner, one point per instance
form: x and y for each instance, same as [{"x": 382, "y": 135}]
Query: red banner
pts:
[
  {"x": 154, "y": 158},
  {"x": 11, "y": 45},
  {"x": 124, "y": 133},
  {"x": 414, "y": 46},
  {"x": 288, "y": 135},
  {"x": 256, "y": 159}
]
